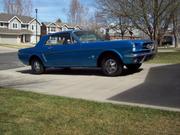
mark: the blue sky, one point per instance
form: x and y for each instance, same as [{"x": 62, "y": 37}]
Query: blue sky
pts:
[{"x": 50, "y": 10}]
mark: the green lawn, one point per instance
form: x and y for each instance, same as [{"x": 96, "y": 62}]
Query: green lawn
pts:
[
  {"x": 166, "y": 57},
  {"x": 25, "y": 113}
]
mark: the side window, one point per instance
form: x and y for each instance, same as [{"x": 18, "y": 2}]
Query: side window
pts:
[{"x": 59, "y": 39}]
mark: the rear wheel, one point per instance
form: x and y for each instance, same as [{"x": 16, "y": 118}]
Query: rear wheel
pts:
[
  {"x": 37, "y": 66},
  {"x": 133, "y": 67},
  {"x": 111, "y": 66}
]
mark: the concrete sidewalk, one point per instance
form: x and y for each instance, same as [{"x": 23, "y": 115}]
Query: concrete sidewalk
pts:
[
  {"x": 154, "y": 85},
  {"x": 17, "y": 46},
  {"x": 7, "y": 50}
]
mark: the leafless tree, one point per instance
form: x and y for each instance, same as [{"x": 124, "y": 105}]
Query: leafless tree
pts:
[
  {"x": 96, "y": 21},
  {"x": 27, "y": 7},
  {"x": 176, "y": 25},
  {"x": 76, "y": 14},
  {"x": 121, "y": 23},
  {"x": 18, "y": 7},
  {"x": 150, "y": 16},
  {"x": 121, "y": 26}
]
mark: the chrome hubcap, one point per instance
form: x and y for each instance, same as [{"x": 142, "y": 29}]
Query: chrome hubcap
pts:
[
  {"x": 111, "y": 66},
  {"x": 37, "y": 66}
]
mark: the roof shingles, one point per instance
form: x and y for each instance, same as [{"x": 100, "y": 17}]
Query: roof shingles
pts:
[{"x": 7, "y": 17}]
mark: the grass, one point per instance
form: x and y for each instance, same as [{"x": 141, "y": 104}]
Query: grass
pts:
[
  {"x": 35, "y": 114},
  {"x": 167, "y": 57}
]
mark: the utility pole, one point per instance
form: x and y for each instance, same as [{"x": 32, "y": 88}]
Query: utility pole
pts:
[{"x": 36, "y": 10}]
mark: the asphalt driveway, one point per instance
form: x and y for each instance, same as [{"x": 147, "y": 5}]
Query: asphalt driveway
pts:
[{"x": 9, "y": 59}]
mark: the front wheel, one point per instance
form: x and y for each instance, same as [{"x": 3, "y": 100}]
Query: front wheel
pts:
[
  {"x": 111, "y": 66},
  {"x": 37, "y": 66},
  {"x": 133, "y": 67}
]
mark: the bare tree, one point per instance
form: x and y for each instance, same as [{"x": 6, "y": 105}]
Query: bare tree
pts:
[
  {"x": 96, "y": 21},
  {"x": 27, "y": 7},
  {"x": 18, "y": 7},
  {"x": 76, "y": 12},
  {"x": 150, "y": 16},
  {"x": 175, "y": 24},
  {"x": 121, "y": 23},
  {"x": 121, "y": 26},
  {"x": 178, "y": 27}
]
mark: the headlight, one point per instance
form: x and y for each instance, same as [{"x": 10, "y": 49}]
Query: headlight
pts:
[
  {"x": 134, "y": 47},
  {"x": 150, "y": 46}
]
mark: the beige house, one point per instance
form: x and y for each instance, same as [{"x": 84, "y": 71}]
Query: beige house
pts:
[
  {"x": 18, "y": 29},
  {"x": 52, "y": 27}
]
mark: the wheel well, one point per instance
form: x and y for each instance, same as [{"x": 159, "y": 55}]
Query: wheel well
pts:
[
  {"x": 32, "y": 58},
  {"x": 107, "y": 54}
]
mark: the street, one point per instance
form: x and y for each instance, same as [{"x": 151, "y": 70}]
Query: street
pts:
[{"x": 9, "y": 61}]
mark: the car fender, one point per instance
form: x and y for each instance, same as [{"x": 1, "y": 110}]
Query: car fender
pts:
[
  {"x": 109, "y": 51},
  {"x": 37, "y": 56}
]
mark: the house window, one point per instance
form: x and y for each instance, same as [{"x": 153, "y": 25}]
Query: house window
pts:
[
  {"x": 53, "y": 29},
  {"x": 32, "y": 27},
  {"x": 48, "y": 29},
  {"x": 1, "y": 25},
  {"x": 23, "y": 26},
  {"x": 15, "y": 25}
]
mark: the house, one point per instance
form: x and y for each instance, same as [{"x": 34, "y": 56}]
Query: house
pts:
[
  {"x": 16, "y": 29},
  {"x": 52, "y": 27},
  {"x": 115, "y": 34}
]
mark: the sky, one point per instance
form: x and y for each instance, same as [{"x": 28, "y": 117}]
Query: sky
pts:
[{"x": 51, "y": 10}]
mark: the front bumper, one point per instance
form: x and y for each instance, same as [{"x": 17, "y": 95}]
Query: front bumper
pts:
[{"x": 138, "y": 57}]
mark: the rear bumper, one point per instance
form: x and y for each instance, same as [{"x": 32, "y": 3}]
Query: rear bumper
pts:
[
  {"x": 23, "y": 58},
  {"x": 138, "y": 57}
]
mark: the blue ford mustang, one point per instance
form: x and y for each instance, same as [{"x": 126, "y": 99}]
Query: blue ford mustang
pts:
[{"x": 86, "y": 49}]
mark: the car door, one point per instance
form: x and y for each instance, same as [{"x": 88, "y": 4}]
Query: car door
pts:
[{"x": 63, "y": 51}]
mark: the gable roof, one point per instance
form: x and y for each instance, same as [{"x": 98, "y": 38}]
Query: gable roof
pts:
[
  {"x": 4, "y": 17},
  {"x": 15, "y": 17},
  {"x": 34, "y": 19},
  {"x": 61, "y": 24},
  {"x": 46, "y": 23},
  {"x": 25, "y": 19}
]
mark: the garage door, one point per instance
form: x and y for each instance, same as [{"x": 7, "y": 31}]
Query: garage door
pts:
[{"x": 6, "y": 39}]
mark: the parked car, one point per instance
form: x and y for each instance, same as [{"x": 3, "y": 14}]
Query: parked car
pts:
[
  {"x": 167, "y": 40},
  {"x": 86, "y": 49}
]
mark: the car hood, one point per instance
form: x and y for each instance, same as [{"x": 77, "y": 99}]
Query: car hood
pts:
[{"x": 139, "y": 44}]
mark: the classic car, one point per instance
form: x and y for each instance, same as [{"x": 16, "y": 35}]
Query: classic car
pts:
[{"x": 86, "y": 49}]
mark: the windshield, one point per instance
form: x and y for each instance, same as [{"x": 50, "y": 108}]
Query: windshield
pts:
[{"x": 86, "y": 36}]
